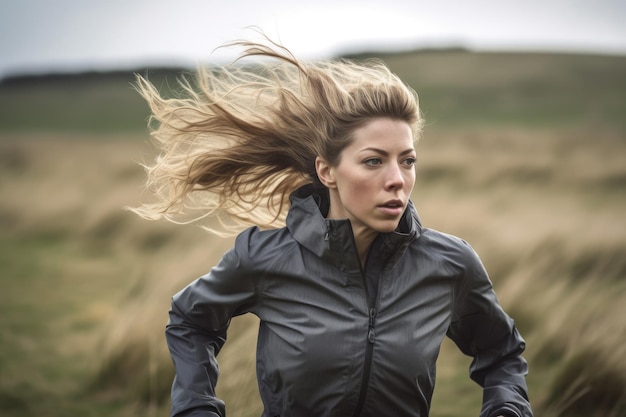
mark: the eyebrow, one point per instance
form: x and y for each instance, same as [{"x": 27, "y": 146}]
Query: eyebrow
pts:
[{"x": 385, "y": 153}]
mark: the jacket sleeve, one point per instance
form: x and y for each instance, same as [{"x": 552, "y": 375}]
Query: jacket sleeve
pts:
[
  {"x": 482, "y": 330},
  {"x": 196, "y": 331}
]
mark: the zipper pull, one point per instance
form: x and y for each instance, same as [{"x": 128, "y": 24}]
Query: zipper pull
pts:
[
  {"x": 372, "y": 316},
  {"x": 371, "y": 333}
]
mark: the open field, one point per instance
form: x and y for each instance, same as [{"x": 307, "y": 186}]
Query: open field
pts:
[{"x": 533, "y": 177}]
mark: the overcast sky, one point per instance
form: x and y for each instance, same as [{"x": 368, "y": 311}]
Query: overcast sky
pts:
[{"x": 75, "y": 35}]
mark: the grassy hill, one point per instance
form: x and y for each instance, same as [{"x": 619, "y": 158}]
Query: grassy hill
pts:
[{"x": 523, "y": 155}]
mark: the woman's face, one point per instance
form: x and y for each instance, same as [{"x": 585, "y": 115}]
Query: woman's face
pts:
[{"x": 373, "y": 180}]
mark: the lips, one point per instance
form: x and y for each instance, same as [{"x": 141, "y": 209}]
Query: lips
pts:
[
  {"x": 392, "y": 207},
  {"x": 393, "y": 204}
]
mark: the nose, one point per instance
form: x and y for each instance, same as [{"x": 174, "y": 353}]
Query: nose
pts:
[{"x": 394, "y": 178}]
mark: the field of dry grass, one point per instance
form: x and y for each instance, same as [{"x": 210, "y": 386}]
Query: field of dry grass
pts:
[{"x": 86, "y": 285}]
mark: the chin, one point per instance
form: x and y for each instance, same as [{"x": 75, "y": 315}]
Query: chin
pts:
[{"x": 387, "y": 227}]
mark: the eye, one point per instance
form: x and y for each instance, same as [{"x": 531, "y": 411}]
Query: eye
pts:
[
  {"x": 409, "y": 161},
  {"x": 373, "y": 162}
]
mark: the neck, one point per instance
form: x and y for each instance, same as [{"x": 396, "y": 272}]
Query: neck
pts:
[
  {"x": 363, "y": 239},
  {"x": 363, "y": 235}
]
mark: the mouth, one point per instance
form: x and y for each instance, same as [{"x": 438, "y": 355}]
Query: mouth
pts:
[{"x": 392, "y": 207}]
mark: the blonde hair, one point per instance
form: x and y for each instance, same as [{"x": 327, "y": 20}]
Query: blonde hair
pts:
[{"x": 240, "y": 140}]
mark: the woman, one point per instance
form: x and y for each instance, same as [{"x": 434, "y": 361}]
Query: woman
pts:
[{"x": 354, "y": 296}]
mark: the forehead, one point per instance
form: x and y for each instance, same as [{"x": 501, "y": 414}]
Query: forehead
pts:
[{"x": 383, "y": 133}]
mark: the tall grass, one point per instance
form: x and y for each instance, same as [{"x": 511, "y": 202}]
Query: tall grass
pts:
[{"x": 93, "y": 283}]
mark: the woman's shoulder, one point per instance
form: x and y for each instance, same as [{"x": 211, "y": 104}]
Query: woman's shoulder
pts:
[
  {"x": 443, "y": 239},
  {"x": 446, "y": 245},
  {"x": 264, "y": 244}
]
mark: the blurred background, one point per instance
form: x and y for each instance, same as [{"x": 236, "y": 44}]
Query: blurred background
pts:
[{"x": 523, "y": 155}]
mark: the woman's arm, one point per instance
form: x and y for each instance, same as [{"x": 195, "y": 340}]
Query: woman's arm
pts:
[
  {"x": 481, "y": 329},
  {"x": 196, "y": 331}
]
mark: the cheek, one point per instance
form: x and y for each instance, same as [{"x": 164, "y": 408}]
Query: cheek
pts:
[
  {"x": 410, "y": 182},
  {"x": 362, "y": 182},
  {"x": 356, "y": 188},
  {"x": 363, "y": 194}
]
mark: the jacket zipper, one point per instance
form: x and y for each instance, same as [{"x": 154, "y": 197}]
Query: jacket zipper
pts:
[
  {"x": 369, "y": 347},
  {"x": 367, "y": 366}
]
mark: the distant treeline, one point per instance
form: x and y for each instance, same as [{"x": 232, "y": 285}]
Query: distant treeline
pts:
[
  {"x": 457, "y": 87},
  {"x": 174, "y": 71},
  {"x": 20, "y": 80}
]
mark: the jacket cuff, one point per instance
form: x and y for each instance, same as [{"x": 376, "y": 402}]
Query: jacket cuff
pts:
[
  {"x": 199, "y": 412},
  {"x": 506, "y": 412}
]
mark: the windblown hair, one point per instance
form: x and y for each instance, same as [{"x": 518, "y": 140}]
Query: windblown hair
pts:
[{"x": 242, "y": 138}]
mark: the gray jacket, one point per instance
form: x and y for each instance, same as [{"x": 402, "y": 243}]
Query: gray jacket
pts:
[{"x": 336, "y": 339}]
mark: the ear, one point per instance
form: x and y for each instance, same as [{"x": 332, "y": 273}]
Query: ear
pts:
[{"x": 325, "y": 172}]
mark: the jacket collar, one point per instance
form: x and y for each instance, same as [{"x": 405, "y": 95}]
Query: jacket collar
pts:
[{"x": 331, "y": 239}]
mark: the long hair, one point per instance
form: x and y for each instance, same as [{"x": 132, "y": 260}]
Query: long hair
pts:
[{"x": 241, "y": 138}]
